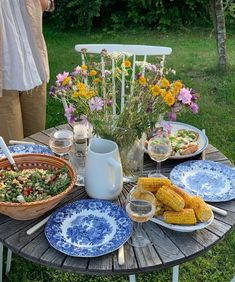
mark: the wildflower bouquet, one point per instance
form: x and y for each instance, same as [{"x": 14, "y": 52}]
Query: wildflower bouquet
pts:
[{"x": 95, "y": 95}]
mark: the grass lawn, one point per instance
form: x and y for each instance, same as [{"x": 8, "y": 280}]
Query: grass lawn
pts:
[{"x": 194, "y": 58}]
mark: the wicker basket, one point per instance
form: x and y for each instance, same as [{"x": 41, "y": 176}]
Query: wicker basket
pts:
[{"x": 26, "y": 211}]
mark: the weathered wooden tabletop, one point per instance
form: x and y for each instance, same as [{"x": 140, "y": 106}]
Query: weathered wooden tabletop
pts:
[{"x": 168, "y": 247}]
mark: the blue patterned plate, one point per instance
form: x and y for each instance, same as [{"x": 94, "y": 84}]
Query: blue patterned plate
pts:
[
  {"x": 27, "y": 148},
  {"x": 214, "y": 182},
  {"x": 88, "y": 228}
]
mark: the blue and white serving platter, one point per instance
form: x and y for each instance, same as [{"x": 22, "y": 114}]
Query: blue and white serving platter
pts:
[
  {"x": 213, "y": 181},
  {"x": 27, "y": 148},
  {"x": 88, "y": 228}
]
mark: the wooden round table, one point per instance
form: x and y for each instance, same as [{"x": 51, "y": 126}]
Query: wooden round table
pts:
[{"x": 169, "y": 248}]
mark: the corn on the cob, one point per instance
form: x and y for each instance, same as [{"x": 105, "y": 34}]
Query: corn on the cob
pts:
[
  {"x": 159, "y": 211},
  {"x": 201, "y": 209},
  {"x": 152, "y": 184},
  {"x": 186, "y": 216},
  {"x": 183, "y": 194},
  {"x": 170, "y": 198}
]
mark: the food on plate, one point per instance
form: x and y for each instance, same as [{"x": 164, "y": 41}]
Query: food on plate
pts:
[
  {"x": 175, "y": 205},
  {"x": 170, "y": 198},
  {"x": 184, "y": 142},
  {"x": 187, "y": 198},
  {"x": 34, "y": 184},
  {"x": 202, "y": 211},
  {"x": 185, "y": 216},
  {"x": 152, "y": 184}
]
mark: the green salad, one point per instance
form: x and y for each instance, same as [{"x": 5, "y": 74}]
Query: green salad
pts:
[{"x": 29, "y": 185}]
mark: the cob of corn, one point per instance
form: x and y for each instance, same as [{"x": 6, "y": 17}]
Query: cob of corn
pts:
[
  {"x": 183, "y": 194},
  {"x": 170, "y": 198},
  {"x": 152, "y": 184},
  {"x": 184, "y": 217},
  {"x": 201, "y": 209}
]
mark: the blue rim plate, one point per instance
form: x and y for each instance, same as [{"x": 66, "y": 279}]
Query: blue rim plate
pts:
[
  {"x": 27, "y": 148},
  {"x": 202, "y": 139},
  {"x": 213, "y": 181},
  {"x": 88, "y": 228}
]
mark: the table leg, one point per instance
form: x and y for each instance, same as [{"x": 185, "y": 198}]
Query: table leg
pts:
[
  {"x": 132, "y": 278},
  {"x": 1, "y": 260},
  {"x": 8, "y": 266},
  {"x": 175, "y": 275}
]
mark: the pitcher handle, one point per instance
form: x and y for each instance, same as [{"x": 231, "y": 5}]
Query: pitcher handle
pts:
[{"x": 118, "y": 173}]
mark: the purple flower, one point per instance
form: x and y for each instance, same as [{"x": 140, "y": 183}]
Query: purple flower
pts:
[
  {"x": 138, "y": 75},
  {"x": 77, "y": 70},
  {"x": 153, "y": 68},
  {"x": 69, "y": 114},
  {"x": 60, "y": 77},
  {"x": 149, "y": 108},
  {"x": 52, "y": 91},
  {"x": 194, "y": 107},
  {"x": 107, "y": 72},
  {"x": 166, "y": 127},
  {"x": 185, "y": 96},
  {"x": 172, "y": 116},
  {"x": 84, "y": 120},
  {"x": 96, "y": 103},
  {"x": 110, "y": 103}
]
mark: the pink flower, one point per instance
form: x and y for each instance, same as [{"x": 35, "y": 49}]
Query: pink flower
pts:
[
  {"x": 166, "y": 127},
  {"x": 185, "y": 96},
  {"x": 60, "y": 77},
  {"x": 194, "y": 107},
  {"x": 77, "y": 70},
  {"x": 96, "y": 103}
]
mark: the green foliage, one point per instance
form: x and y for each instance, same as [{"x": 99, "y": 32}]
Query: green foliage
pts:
[{"x": 117, "y": 14}]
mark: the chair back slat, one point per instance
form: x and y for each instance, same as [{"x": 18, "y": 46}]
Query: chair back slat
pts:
[{"x": 126, "y": 51}]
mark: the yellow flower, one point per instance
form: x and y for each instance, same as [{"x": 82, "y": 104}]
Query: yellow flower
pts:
[
  {"x": 155, "y": 90},
  {"x": 81, "y": 86},
  {"x": 165, "y": 83},
  {"x": 97, "y": 80},
  {"x": 176, "y": 90},
  {"x": 90, "y": 94},
  {"x": 84, "y": 67},
  {"x": 93, "y": 72},
  {"x": 163, "y": 92},
  {"x": 66, "y": 80},
  {"x": 178, "y": 84},
  {"x": 142, "y": 80},
  {"x": 127, "y": 64},
  {"x": 169, "y": 99},
  {"x": 75, "y": 94}
]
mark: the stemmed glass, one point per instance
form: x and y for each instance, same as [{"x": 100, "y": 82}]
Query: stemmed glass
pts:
[
  {"x": 61, "y": 142},
  {"x": 140, "y": 207},
  {"x": 159, "y": 149}
]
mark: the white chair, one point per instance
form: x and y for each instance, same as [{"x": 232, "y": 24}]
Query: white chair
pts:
[{"x": 131, "y": 50}]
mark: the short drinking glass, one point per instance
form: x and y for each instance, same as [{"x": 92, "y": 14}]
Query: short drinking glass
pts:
[
  {"x": 140, "y": 206},
  {"x": 61, "y": 142}
]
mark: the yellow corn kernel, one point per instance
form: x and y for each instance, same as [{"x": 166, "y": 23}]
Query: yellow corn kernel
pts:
[
  {"x": 201, "y": 209},
  {"x": 170, "y": 198},
  {"x": 187, "y": 198},
  {"x": 184, "y": 217},
  {"x": 152, "y": 184}
]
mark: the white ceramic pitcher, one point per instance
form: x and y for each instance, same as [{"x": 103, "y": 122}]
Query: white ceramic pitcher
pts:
[{"x": 103, "y": 176}]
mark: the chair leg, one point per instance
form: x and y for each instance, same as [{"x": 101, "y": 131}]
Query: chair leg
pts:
[
  {"x": 8, "y": 266},
  {"x": 132, "y": 278},
  {"x": 1, "y": 260},
  {"x": 175, "y": 275}
]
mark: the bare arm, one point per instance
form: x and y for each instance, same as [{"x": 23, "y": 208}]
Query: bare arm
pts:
[{"x": 47, "y": 5}]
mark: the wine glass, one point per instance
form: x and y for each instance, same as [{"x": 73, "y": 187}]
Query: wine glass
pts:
[
  {"x": 61, "y": 142},
  {"x": 159, "y": 149},
  {"x": 140, "y": 207}
]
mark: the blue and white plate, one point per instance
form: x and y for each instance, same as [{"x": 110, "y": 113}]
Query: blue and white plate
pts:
[
  {"x": 27, "y": 148},
  {"x": 88, "y": 228},
  {"x": 214, "y": 182}
]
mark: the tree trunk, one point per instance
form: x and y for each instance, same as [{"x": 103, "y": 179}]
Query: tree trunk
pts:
[{"x": 220, "y": 31}]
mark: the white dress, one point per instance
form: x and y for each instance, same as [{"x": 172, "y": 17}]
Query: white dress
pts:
[{"x": 22, "y": 68}]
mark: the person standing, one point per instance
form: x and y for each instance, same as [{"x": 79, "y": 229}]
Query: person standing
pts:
[{"x": 24, "y": 70}]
